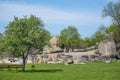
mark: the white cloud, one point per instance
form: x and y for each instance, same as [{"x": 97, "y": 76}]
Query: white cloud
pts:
[
  {"x": 112, "y": 0},
  {"x": 49, "y": 15}
]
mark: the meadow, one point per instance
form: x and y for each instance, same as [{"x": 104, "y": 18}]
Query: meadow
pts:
[{"x": 89, "y": 71}]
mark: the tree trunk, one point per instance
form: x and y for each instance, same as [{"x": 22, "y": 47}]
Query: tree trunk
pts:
[
  {"x": 24, "y": 56},
  {"x": 23, "y": 67}
]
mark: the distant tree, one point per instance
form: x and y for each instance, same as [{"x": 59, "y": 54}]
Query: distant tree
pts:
[
  {"x": 1, "y": 35},
  {"x": 112, "y": 10},
  {"x": 88, "y": 41},
  {"x": 1, "y": 43},
  {"x": 83, "y": 43},
  {"x": 25, "y": 34},
  {"x": 99, "y": 35},
  {"x": 114, "y": 28},
  {"x": 69, "y": 37}
]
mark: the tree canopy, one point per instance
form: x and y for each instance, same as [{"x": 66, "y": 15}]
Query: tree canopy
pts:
[
  {"x": 99, "y": 35},
  {"x": 25, "y": 34},
  {"x": 69, "y": 37},
  {"x": 112, "y": 10},
  {"x": 114, "y": 28}
]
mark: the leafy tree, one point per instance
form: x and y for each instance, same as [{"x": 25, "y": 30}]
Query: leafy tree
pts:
[
  {"x": 99, "y": 35},
  {"x": 25, "y": 34},
  {"x": 69, "y": 37},
  {"x": 88, "y": 41},
  {"x": 112, "y": 10},
  {"x": 2, "y": 46},
  {"x": 1, "y": 43},
  {"x": 114, "y": 28},
  {"x": 83, "y": 43}
]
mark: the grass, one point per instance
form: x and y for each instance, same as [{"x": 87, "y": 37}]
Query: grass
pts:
[{"x": 94, "y": 71}]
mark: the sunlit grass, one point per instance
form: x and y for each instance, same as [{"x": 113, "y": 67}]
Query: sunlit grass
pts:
[{"x": 90, "y": 71}]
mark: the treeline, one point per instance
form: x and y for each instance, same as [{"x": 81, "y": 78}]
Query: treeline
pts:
[
  {"x": 25, "y": 35},
  {"x": 70, "y": 38}
]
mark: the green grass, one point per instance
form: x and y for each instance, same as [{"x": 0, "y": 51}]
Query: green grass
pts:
[{"x": 94, "y": 71}]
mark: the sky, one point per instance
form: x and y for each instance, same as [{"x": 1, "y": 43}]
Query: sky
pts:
[{"x": 85, "y": 15}]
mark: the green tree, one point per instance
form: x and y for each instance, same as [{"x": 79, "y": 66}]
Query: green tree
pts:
[
  {"x": 112, "y": 10},
  {"x": 99, "y": 35},
  {"x": 2, "y": 46},
  {"x": 84, "y": 43},
  {"x": 69, "y": 37},
  {"x": 88, "y": 41},
  {"x": 114, "y": 28},
  {"x": 25, "y": 34},
  {"x": 1, "y": 43}
]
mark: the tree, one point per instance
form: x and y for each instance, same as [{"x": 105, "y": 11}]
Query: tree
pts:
[
  {"x": 2, "y": 46},
  {"x": 88, "y": 41},
  {"x": 99, "y": 35},
  {"x": 69, "y": 37},
  {"x": 114, "y": 28},
  {"x": 1, "y": 43},
  {"x": 112, "y": 10},
  {"x": 25, "y": 34}
]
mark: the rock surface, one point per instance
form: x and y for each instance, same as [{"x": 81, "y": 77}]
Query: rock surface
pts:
[{"x": 107, "y": 47}]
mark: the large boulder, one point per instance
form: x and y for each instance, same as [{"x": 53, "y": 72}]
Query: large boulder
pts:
[
  {"x": 107, "y": 47},
  {"x": 53, "y": 46}
]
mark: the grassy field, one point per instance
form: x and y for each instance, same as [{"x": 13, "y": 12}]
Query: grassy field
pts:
[{"x": 94, "y": 71}]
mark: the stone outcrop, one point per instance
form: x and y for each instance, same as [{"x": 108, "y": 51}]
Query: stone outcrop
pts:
[
  {"x": 67, "y": 59},
  {"x": 107, "y": 47},
  {"x": 53, "y": 48},
  {"x": 30, "y": 59}
]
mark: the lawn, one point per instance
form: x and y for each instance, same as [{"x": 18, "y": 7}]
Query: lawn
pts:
[{"x": 91, "y": 71}]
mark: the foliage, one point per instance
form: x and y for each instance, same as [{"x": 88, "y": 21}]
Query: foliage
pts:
[
  {"x": 69, "y": 37},
  {"x": 113, "y": 10},
  {"x": 114, "y": 28},
  {"x": 25, "y": 34},
  {"x": 82, "y": 44},
  {"x": 94, "y": 71},
  {"x": 99, "y": 35},
  {"x": 2, "y": 46},
  {"x": 86, "y": 42}
]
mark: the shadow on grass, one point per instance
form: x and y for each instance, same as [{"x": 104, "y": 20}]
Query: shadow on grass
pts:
[{"x": 47, "y": 71}]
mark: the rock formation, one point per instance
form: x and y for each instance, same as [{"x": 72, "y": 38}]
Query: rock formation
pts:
[
  {"x": 53, "y": 46},
  {"x": 107, "y": 47}
]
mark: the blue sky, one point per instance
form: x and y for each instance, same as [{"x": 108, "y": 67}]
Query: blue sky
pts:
[{"x": 85, "y": 15}]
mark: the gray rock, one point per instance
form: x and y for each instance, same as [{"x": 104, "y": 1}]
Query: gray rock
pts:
[
  {"x": 30, "y": 59},
  {"x": 77, "y": 59},
  {"x": 84, "y": 58},
  {"x": 107, "y": 47},
  {"x": 67, "y": 59}
]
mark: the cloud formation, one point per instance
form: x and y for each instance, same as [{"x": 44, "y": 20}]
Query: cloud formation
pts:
[
  {"x": 55, "y": 19},
  {"x": 48, "y": 15}
]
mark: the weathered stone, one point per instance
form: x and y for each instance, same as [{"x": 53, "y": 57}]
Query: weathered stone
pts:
[
  {"x": 45, "y": 58},
  {"x": 107, "y": 47},
  {"x": 46, "y": 49},
  {"x": 53, "y": 47},
  {"x": 30, "y": 59},
  {"x": 85, "y": 49},
  {"x": 76, "y": 59},
  {"x": 84, "y": 58},
  {"x": 67, "y": 59}
]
